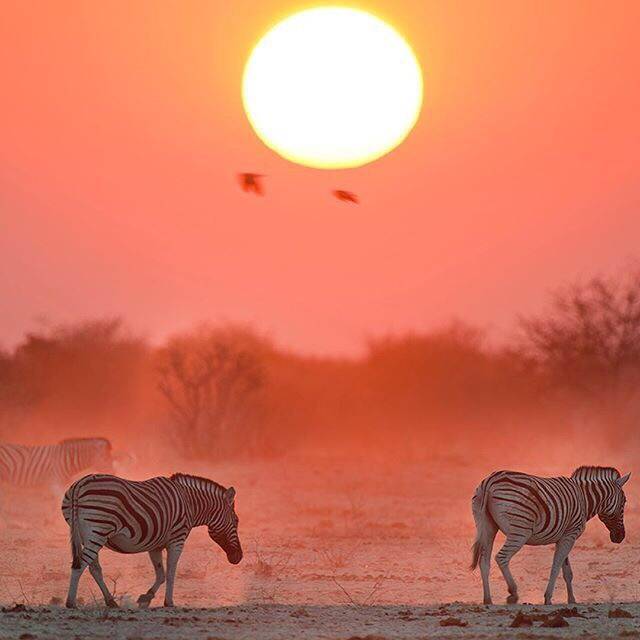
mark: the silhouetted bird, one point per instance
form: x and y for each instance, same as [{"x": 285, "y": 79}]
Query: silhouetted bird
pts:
[
  {"x": 251, "y": 183},
  {"x": 346, "y": 196}
]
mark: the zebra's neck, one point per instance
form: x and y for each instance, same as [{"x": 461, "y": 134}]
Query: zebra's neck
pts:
[
  {"x": 203, "y": 497},
  {"x": 597, "y": 492}
]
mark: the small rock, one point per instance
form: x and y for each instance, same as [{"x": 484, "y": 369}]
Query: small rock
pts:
[
  {"x": 619, "y": 613},
  {"x": 522, "y": 620},
  {"x": 453, "y": 622},
  {"x": 565, "y": 612},
  {"x": 555, "y": 622}
]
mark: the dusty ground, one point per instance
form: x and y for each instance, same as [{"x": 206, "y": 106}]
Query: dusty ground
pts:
[
  {"x": 331, "y": 550},
  {"x": 280, "y": 622}
]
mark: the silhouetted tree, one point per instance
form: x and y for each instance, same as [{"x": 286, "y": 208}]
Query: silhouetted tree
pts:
[
  {"x": 590, "y": 337},
  {"x": 588, "y": 343},
  {"x": 206, "y": 378}
]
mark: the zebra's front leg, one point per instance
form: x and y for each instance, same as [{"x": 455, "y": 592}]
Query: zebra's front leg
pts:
[
  {"x": 563, "y": 548},
  {"x": 512, "y": 545},
  {"x": 156, "y": 559},
  {"x": 96, "y": 571},
  {"x": 173, "y": 555},
  {"x": 567, "y": 574}
]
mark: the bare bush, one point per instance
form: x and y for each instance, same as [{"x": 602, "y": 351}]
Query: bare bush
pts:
[
  {"x": 77, "y": 374},
  {"x": 588, "y": 343},
  {"x": 590, "y": 337},
  {"x": 207, "y": 379},
  {"x": 364, "y": 598}
]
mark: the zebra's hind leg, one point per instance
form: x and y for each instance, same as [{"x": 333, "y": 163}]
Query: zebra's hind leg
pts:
[
  {"x": 567, "y": 574},
  {"x": 485, "y": 559},
  {"x": 173, "y": 555},
  {"x": 512, "y": 545},
  {"x": 76, "y": 574},
  {"x": 144, "y": 600},
  {"x": 563, "y": 548},
  {"x": 96, "y": 571},
  {"x": 89, "y": 555}
]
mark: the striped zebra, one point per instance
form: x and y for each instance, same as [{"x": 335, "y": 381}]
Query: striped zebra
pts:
[
  {"x": 53, "y": 465},
  {"x": 534, "y": 511},
  {"x": 152, "y": 515}
]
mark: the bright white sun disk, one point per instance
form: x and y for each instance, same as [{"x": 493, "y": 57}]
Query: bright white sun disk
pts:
[{"x": 332, "y": 87}]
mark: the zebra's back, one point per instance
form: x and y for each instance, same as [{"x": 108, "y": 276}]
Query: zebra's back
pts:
[
  {"x": 133, "y": 516},
  {"x": 547, "y": 507},
  {"x": 25, "y": 466}
]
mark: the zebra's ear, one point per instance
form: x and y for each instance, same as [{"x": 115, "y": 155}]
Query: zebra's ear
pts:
[
  {"x": 230, "y": 495},
  {"x": 622, "y": 481}
]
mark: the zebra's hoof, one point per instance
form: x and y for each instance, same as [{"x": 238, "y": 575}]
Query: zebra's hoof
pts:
[
  {"x": 145, "y": 600},
  {"x": 512, "y": 599}
]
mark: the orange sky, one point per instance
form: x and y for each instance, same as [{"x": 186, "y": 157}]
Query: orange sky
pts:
[{"x": 121, "y": 130}]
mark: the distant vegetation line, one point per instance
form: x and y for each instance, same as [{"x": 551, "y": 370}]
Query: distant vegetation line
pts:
[{"x": 224, "y": 391}]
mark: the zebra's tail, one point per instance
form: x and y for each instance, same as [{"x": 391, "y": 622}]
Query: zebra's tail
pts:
[
  {"x": 483, "y": 523},
  {"x": 74, "y": 525}
]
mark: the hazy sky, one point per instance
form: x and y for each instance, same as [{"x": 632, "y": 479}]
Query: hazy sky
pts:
[{"x": 122, "y": 128}]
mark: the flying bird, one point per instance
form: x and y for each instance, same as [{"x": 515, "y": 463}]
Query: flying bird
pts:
[
  {"x": 251, "y": 183},
  {"x": 346, "y": 196}
]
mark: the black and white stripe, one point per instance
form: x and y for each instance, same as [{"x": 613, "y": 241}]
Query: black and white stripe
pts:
[
  {"x": 535, "y": 511},
  {"x": 152, "y": 515},
  {"x": 53, "y": 465}
]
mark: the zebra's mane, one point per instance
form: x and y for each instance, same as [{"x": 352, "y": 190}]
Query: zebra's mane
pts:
[
  {"x": 199, "y": 482},
  {"x": 588, "y": 472},
  {"x": 81, "y": 440}
]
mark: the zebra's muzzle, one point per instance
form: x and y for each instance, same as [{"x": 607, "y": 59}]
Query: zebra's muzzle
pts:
[
  {"x": 617, "y": 535},
  {"x": 235, "y": 556}
]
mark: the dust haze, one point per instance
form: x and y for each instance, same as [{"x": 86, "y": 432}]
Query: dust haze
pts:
[{"x": 354, "y": 476}]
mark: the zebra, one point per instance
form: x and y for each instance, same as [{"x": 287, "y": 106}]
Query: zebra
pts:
[
  {"x": 536, "y": 511},
  {"x": 53, "y": 465},
  {"x": 132, "y": 517}
]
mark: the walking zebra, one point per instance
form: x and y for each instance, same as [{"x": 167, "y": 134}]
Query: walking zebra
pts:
[
  {"x": 532, "y": 510},
  {"x": 132, "y": 517},
  {"x": 53, "y": 465}
]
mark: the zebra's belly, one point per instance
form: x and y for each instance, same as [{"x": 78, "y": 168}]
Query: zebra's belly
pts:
[
  {"x": 539, "y": 539},
  {"x": 551, "y": 536},
  {"x": 122, "y": 543}
]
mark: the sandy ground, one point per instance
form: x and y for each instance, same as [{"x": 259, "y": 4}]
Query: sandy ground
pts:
[
  {"x": 331, "y": 551},
  {"x": 280, "y": 622}
]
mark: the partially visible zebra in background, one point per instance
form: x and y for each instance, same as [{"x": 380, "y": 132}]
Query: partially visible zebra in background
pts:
[
  {"x": 54, "y": 465},
  {"x": 535, "y": 511},
  {"x": 152, "y": 515}
]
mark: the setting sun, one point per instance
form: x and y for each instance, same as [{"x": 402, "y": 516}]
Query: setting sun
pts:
[{"x": 332, "y": 87}]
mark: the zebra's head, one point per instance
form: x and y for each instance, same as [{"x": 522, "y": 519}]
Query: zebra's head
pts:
[
  {"x": 605, "y": 498},
  {"x": 612, "y": 510},
  {"x": 223, "y": 527},
  {"x": 104, "y": 457}
]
